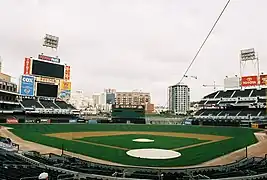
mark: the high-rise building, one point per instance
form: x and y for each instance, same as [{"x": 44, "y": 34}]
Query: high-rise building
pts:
[
  {"x": 96, "y": 99},
  {"x": 133, "y": 98},
  {"x": 179, "y": 98},
  {"x": 79, "y": 100},
  {"x": 110, "y": 96}
]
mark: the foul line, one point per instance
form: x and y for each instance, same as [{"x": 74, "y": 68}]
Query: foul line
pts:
[{"x": 103, "y": 145}]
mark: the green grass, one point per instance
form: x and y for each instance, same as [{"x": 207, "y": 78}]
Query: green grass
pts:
[
  {"x": 125, "y": 141},
  {"x": 241, "y": 137}
]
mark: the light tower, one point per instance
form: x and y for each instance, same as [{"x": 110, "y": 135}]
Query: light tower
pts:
[{"x": 249, "y": 56}]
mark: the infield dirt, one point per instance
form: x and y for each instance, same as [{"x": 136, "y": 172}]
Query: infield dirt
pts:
[{"x": 75, "y": 136}]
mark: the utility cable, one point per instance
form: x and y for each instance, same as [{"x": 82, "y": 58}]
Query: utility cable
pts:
[{"x": 204, "y": 42}]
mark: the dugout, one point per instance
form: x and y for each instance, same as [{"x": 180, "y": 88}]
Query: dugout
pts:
[{"x": 128, "y": 114}]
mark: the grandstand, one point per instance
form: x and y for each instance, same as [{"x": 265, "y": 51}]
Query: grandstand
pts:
[
  {"x": 32, "y": 109},
  {"x": 239, "y": 107}
]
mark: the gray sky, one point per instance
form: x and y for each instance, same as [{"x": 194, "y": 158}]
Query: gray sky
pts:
[{"x": 135, "y": 44}]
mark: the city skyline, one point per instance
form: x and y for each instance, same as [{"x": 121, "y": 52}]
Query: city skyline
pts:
[{"x": 130, "y": 45}]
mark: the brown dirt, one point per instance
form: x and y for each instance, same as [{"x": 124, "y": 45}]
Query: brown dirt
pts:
[
  {"x": 79, "y": 135},
  {"x": 256, "y": 150},
  {"x": 74, "y": 136}
]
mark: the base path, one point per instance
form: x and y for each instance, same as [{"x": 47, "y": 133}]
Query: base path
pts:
[{"x": 256, "y": 150}]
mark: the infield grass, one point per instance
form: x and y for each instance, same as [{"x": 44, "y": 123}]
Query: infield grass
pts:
[{"x": 126, "y": 141}]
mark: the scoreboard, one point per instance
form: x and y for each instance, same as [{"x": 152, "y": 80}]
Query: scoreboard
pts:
[
  {"x": 128, "y": 114},
  {"x": 41, "y": 68},
  {"x": 47, "y": 75}
]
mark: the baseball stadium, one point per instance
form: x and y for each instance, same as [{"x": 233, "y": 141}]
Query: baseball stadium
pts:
[{"x": 43, "y": 136}]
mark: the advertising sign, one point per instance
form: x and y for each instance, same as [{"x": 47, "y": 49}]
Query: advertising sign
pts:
[
  {"x": 12, "y": 121},
  {"x": 72, "y": 121},
  {"x": 249, "y": 81},
  {"x": 65, "y": 90},
  {"x": 48, "y": 58},
  {"x": 29, "y": 121},
  {"x": 27, "y": 66},
  {"x": 67, "y": 73},
  {"x": 47, "y": 80},
  {"x": 263, "y": 80},
  {"x": 80, "y": 121},
  {"x": 27, "y": 86}
]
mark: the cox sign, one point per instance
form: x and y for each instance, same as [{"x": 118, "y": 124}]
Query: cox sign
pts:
[
  {"x": 27, "y": 86},
  {"x": 27, "y": 79}
]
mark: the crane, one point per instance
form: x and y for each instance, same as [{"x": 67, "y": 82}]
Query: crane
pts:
[
  {"x": 194, "y": 77},
  {"x": 214, "y": 85}
]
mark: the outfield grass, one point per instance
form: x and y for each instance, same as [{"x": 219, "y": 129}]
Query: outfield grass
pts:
[
  {"x": 241, "y": 137},
  {"x": 125, "y": 141}
]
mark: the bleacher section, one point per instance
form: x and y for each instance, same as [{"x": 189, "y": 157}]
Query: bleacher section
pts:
[
  {"x": 239, "y": 105},
  {"x": 259, "y": 93},
  {"x": 225, "y": 94},
  {"x": 63, "y": 105},
  {"x": 13, "y": 167},
  {"x": 31, "y": 103},
  {"x": 247, "y": 168},
  {"x": 237, "y": 93},
  {"x": 242, "y": 93},
  {"x": 49, "y": 104}
]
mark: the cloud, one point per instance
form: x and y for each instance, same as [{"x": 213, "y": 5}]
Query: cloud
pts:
[{"x": 134, "y": 44}]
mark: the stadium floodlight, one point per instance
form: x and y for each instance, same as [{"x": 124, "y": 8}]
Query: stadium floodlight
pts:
[
  {"x": 51, "y": 41},
  {"x": 251, "y": 57},
  {"x": 248, "y": 54}
]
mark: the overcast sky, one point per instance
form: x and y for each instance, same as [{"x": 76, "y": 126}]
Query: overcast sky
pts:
[{"x": 135, "y": 44}]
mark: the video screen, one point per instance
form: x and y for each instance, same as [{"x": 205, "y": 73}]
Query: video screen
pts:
[
  {"x": 47, "y": 69},
  {"x": 47, "y": 90}
]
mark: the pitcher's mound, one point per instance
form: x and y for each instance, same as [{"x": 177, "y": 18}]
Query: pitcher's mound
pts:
[
  {"x": 143, "y": 140},
  {"x": 153, "y": 153}
]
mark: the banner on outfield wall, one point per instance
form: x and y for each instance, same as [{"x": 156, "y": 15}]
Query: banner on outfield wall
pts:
[
  {"x": 27, "y": 86},
  {"x": 249, "y": 81},
  {"x": 27, "y": 66},
  {"x": 64, "y": 90},
  {"x": 72, "y": 121},
  {"x": 263, "y": 80},
  {"x": 12, "y": 121}
]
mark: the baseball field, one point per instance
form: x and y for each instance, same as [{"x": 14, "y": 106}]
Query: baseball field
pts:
[{"x": 121, "y": 144}]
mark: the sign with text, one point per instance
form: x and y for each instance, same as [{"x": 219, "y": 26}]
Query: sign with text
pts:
[
  {"x": 263, "y": 80},
  {"x": 65, "y": 90},
  {"x": 27, "y": 66},
  {"x": 67, "y": 73},
  {"x": 48, "y": 58},
  {"x": 47, "y": 80},
  {"x": 27, "y": 86},
  {"x": 12, "y": 121},
  {"x": 249, "y": 81}
]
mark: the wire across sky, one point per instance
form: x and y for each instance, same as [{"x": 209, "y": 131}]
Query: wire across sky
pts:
[{"x": 204, "y": 42}]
